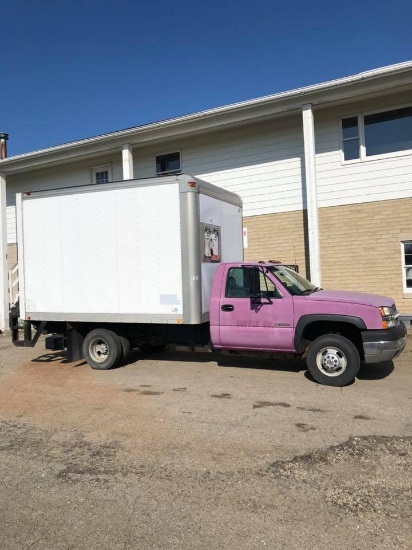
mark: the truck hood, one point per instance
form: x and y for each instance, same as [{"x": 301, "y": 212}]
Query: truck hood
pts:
[{"x": 351, "y": 297}]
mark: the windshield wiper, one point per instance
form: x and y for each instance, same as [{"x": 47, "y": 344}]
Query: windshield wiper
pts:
[{"x": 311, "y": 290}]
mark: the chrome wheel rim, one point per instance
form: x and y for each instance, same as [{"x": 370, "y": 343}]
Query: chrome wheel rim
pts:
[
  {"x": 331, "y": 361},
  {"x": 99, "y": 350}
]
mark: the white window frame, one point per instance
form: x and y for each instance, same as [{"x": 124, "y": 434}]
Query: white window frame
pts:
[
  {"x": 361, "y": 128},
  {"x": 101, "y": 168},
  {"x": 170, "y": 172},
  {"x": 406, "y": 290}
]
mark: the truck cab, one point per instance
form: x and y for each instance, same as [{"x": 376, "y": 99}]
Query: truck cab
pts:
[{"x": 271, "y": 308}]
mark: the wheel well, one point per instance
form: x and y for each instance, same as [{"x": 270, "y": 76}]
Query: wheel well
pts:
[{"x": 320, "y": 328}]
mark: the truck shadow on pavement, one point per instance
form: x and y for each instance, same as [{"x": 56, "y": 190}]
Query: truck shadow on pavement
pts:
[
  {"x": 51, "y": 358},
  {"x": 230, "y": 360},
  {"x": 234, "y": 361},
  {"x": 377, "y": 371}
]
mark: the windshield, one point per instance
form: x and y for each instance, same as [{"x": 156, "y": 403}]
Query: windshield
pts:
[{"x": 292, "y": 281}]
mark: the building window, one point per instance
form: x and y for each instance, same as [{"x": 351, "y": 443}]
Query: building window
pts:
[
  {"x": 383, "y": 133},
  {"x": 102, "y": 177},
  {"x": 168, "y": 164},
  {"x": 407, "y": 265},
  {"x": 101, "y": 174},
  {"x": 350, "y": 138}
]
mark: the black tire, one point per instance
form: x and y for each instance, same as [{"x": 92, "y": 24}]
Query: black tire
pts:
[
  {"x": 333, "y": 360},
  {"x": 102, "y": 349},
  {"x": 125, "y": 348}
]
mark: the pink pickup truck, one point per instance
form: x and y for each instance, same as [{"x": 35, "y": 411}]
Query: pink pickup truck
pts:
[{"x": 267, "y": 307}]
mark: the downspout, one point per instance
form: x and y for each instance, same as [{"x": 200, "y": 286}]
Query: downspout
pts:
[
  {"x": 127, "y": 162},
  {"x": 3, "y": 145},
  {"x": 4, "y": 287},
  {"x": 311, "y": 193}
]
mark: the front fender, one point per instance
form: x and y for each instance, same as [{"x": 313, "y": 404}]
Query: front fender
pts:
[{"x": 306, "y": 320}]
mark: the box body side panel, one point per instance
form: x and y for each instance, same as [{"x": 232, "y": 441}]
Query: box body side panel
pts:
[{"x": 108, "y": 252}]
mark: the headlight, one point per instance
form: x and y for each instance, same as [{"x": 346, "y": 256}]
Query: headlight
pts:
[{"x": 389, "y": 316}]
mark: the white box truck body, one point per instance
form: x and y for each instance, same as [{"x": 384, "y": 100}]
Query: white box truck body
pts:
[{"x": 137, "y": 251}]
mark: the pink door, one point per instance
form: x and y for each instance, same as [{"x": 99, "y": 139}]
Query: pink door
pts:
[{"x": 263, "y": 322}]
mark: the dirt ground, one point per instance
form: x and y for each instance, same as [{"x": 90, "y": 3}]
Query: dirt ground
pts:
[{"x": 200, "y": 451}]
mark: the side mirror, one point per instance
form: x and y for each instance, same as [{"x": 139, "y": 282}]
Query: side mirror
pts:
[{"x": 256, "y": 294}]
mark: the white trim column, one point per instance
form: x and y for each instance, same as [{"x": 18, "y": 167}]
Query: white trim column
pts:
[
  {"x": 4, "y": 284},
  {"x": 127, "y": 160},
  {"x": 311, "y": 192}
]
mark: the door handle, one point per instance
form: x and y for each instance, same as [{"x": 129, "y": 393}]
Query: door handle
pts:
[{"x": 227, "y": 307}]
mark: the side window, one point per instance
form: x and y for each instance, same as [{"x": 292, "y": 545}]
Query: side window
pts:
[
  {"x": 350, "y": 138},
  {"x": 101, "y": 174},
  {"x": 168, "y": 164},
  {"x": 382, "y": 133},
  {"x": 237, "y": 284},
  {"x": 388, "y": 132},
  {"x": 407, "y": 265},
  {"x": 267, "y": 288}
]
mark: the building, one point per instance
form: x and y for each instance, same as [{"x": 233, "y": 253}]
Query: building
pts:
[{"x": 325, "y": 173}]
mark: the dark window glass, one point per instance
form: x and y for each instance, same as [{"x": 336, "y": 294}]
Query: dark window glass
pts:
[
  {"x": 237, "y": 283},
  {"x": 408, "y": 248},
  {"x": 408, "y": 274},
  {"x": 351, "y": 149},
  {"x": 350, "y": 138},
  {"x": 102, "y": 177},
  {"x": 388, "y": 132},
  {"x": 168, "y": 164},
  {"x": 407, "y": 258},
  {"x": 350, "y": 127}
]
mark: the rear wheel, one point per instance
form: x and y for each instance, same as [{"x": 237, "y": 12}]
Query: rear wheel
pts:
[
  {"x": 333, "y": 360},
  {"x": 102, "y": 349},
  {"x": 125, "y": 348}
]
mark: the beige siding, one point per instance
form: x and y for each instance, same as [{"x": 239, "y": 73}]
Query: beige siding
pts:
[
  {"x": 262, "y": 163},
  {"x": 360, "y": 181}
]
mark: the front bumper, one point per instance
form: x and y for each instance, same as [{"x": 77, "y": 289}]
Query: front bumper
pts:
[{"x": 384, "y": 345}]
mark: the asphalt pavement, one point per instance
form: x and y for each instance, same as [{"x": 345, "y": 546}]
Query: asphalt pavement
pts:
[{"x": 200, "y": 451}]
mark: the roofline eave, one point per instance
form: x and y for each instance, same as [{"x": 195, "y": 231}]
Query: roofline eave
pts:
[{"x": 320, "y": 95}]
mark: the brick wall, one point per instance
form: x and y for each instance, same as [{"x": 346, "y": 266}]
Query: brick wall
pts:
[
  {"x": 359, "y": 245},
  {"x": 11, "y": 255},
  {"x": 278, "y": 237}
]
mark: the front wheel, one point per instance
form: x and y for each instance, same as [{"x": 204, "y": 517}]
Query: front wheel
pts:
[
  {"x": 102, "y": 349},
  {"x": 333, "y": 360}
]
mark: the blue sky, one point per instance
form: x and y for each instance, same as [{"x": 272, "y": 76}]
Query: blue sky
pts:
[{"x": 75, "y": 69}]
